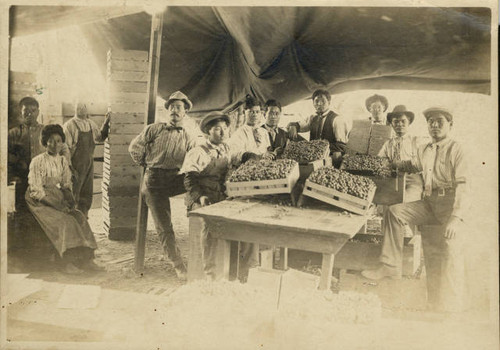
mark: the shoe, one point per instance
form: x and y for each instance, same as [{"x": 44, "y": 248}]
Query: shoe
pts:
[
  {"x": 90, "y": 265},
  {"x": 181, "y": 272},
  {"x": 71, "y": 269},
  {"x": 381, "y": 272}
]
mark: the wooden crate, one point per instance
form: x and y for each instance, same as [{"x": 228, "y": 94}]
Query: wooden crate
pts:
[
  {"x": 364, "y": 255},
  {"x": 339, "y": 199},
  {"x": 306, "y": 169},
  {"x": 253, "y": 188}
]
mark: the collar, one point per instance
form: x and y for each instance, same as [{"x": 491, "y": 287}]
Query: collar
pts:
[
  {"x": 404, "y": 137},
  {"x": 324, "y": 113},
  {"x": 168, "y": 126},
  {"x": 26, "y": 127},
  {"x": 275, "y": 128},
  {"x": 441, "y": 143},
  {"x": 211, "y": 145}
]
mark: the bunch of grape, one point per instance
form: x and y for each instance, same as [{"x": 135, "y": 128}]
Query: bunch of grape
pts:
[
  {"x": 380, "y": 166},
  {"x": 306, "y": 151},
  {"x": 342, "y": 181},
  {"x": 256, "y": 170}
]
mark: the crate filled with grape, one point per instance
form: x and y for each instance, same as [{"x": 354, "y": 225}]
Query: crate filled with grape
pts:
[
  {"x": 257, "y": 177},
  {"x": 310, "y": 155},
  {"x": 341, "y": 189},
  {"x": 390, "y": 185}
]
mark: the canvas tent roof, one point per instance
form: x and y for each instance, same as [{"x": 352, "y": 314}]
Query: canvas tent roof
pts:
[{"x": 217, "y": 55}]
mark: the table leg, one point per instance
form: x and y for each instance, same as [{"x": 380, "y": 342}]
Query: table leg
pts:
[
  {"x": 283, "y": 262},
  {"x": 222, "y": 259},
  {"x": 195, "y": 263},
  {"x": 326, "y": 272},
  {"x": 234, "y": 266}
]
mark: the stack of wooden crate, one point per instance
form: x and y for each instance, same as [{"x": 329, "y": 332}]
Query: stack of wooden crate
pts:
[
  {"x": 127, "y": 86},
  {"x": 367, "y": 138}
]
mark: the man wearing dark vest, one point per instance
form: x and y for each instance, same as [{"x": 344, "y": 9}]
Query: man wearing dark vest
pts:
[{"x": 324, "y": 125}]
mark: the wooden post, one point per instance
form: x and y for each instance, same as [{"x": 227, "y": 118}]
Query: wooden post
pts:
[
  {"x": 154, "y": 70},
  {"x": 326, "y": 272}
]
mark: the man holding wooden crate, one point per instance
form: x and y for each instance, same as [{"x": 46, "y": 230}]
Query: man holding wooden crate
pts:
[
  {"x": 161, "y": 148},
  {"x": 446, "y": 180},
  {"x": 324, "y": 125},
  {"x": 82, "y": 134}
]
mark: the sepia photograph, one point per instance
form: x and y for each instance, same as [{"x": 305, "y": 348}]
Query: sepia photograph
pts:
[{"x": 222, "y": 175}]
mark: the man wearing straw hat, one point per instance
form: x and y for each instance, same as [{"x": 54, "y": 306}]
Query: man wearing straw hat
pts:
[
  {"x": 403, "y": 146},
  {"x": 205, "y": 168},
  {"x": 161, "y": 148},
  {"x": 445, "y": 203}
]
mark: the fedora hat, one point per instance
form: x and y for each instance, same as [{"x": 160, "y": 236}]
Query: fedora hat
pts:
[
  {"x": 178, "y": 96},
  {"x": 447, "y": 114},
  {"x": 375, "y": 98},
  {"x": 398, "y": 111},
  {"x": 211, "y": 117}
]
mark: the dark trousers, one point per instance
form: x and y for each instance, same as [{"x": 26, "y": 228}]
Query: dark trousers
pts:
[
  {"x": 159, "y": 185},
  {"x": 444, "y": 258}
]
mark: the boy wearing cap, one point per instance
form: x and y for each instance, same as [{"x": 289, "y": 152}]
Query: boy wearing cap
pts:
[
  {"x": 403, "y": 146},
  {"x": 324, "y": 125},
  {"x": 444, "y": 203},
  {"x": 205, "y": 168},
  {"x": 161, "y": 148},
  {"x": 377, "y": 105}
]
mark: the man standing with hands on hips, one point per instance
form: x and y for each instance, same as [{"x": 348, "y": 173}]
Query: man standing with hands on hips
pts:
[
  {"x": 161, "y": 148},
  {"x": 445, "y": 202}
]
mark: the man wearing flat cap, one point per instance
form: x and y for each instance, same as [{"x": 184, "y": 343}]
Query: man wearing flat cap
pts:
[
  {"x": 205, "y": 168},
  {"x": 377, "y": 105},
  {"x": 444, "y": 203},
  {"x": 324, "y": 125},
  {"x": 161, "y": 149},
  {"x": 403, "y": 146}
]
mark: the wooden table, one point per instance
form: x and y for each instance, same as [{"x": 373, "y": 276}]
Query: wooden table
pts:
[{"x": 320, "y": 228}]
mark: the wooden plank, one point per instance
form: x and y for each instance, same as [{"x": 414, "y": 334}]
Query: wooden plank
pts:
[
  {"x": 283, "y": 262},
  {"x": 278, "y": 237},
  {"x": 128, "y": 118},
  {"x": 121, "y": 201},
  {"x": 120, "y": 211},
  {"x": 120, "y": 170},
  {"x": 134, "y": 55},
  {"x": 116, "y": 149},
  {"x": 115, "y": 220},
  {"x": 128, "y": 86},
  {"x": 387, "y": 193},
  {"x": 124, "y": 107},
  {"x": 113, "y": 181},
  {"x": 195, "y": 265},
  {"x": 266, "y": 258},
  {"x": 119, "y": 159},
  {"x": 126, "y": 139},
  {"x": 128, "y": 76},
  {"x": 123, "y": 129},
  {"x": 325, "y": 281},
  {"x": 129, "y": 65},
  {"x": 120, "y": 96}
]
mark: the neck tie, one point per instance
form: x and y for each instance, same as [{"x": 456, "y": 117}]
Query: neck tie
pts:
[
  {"x": 397, "y": 149},
  {"x": 272, "y": 132},
  {"x": 429, "y": 169},
  {"x": 319, "y": 129}
]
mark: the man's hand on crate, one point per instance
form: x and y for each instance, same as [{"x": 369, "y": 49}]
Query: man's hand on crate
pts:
[{"x": 204, "y": 201}]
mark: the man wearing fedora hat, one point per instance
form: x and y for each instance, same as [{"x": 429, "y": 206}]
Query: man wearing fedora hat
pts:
[
  {"x": 377, "y": 105},
  {"x": 444, "y": 168},
  {"x": 161, "y": 149},
  {"x": 205, "y": 168},
  {"x": 403, "y": 146}
]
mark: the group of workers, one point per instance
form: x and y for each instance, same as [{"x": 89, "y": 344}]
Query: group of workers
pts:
[{"x": 60, "y": 178}]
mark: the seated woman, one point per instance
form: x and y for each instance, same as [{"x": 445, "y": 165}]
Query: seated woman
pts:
[{"x": 51, "y": 202}]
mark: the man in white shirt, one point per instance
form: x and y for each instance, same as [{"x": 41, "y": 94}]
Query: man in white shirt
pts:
[{"x": 250, "y": 138}]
